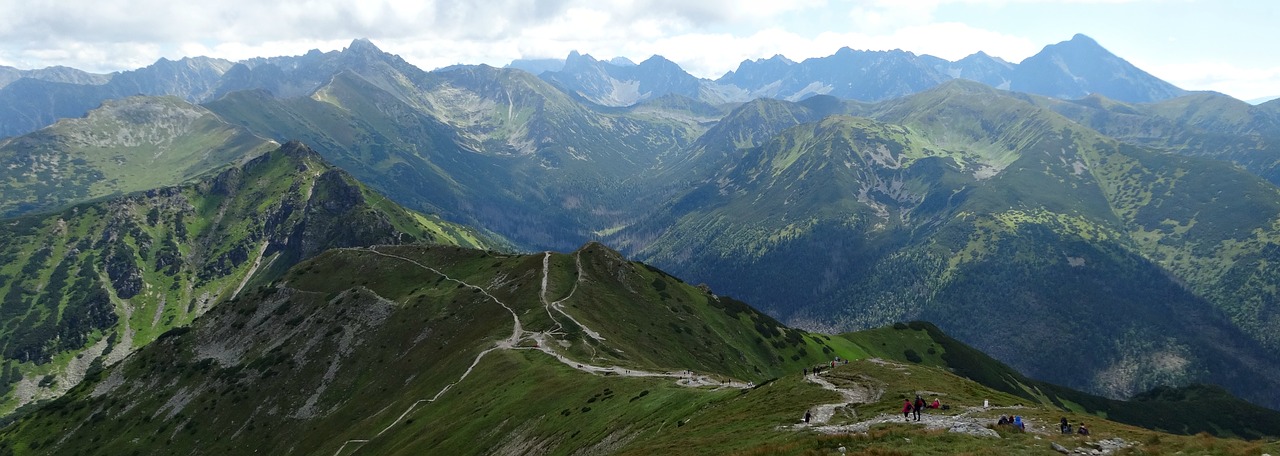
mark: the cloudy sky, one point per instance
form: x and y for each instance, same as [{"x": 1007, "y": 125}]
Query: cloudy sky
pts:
[{"x": 1222, "y": 45}]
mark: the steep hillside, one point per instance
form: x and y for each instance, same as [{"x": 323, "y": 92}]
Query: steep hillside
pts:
[
  {"x": 85, "y": 287},
  {"x": 1203, "y": 124},
  {"x": 124, "y": 146},
  {"x": 443, "y": 350},
  {"x": 389, "y": 358},
  {"x": 1013, "y": 227}
]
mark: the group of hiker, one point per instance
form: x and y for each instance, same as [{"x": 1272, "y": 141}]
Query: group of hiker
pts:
[
  {"x": 1063, "y": 425},
  {"x": 1066, "y": 427},
  {"x": 910, "y": 409},
  {"x": 1015, "y": 421}
]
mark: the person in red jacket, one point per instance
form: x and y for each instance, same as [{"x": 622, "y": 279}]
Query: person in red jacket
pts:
[{"x": 906, "y": 409}]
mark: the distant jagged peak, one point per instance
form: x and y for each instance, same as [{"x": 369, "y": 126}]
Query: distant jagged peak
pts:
[
  {"x": 362, "y": 46},
  {"x": 657, "y": 61},
  {"x": 1081, "y": 38},
  {"x": 850, "y": 52},
  {"x": 1079, "y": 44},
  {"x": 982, "y": 56},
  {"x": 777, "y": 58},
  {"x": 621, "y": 61},
  {"x": 577, "y": 59}
]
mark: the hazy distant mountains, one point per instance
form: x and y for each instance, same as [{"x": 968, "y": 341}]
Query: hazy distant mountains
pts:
[
  {"x": 32, "y": 99},
  {"x": 1071, "y": 69}
]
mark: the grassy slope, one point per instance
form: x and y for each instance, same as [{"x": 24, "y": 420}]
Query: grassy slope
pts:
[
  {"x": 850, "y": 223},
  {"x": 375, "y": 345},
  {"x": 139, "y": 265},
  {"x": 124, "y": 146}
]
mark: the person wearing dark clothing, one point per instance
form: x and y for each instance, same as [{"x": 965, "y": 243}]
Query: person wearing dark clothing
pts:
[
  {"x": 806, "y": 416},
  {"x": 1003, "y": 421},
  {"x": 1065, "y": 426},
  {"x": 1083, "y": 430},
  {"x": 919, "y": 404}
]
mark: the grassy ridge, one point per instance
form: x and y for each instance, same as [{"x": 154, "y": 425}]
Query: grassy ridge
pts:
[
  {"x": 384, "y": 346},
  {"x": 85, "y": 287},
  {"x": 127, "y": 145}
]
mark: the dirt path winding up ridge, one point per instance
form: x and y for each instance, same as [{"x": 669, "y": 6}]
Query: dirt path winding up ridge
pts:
[{"x": 686, "y": 378}]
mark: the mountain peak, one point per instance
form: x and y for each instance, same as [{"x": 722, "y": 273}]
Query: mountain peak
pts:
[
  {"x": 1083, "y": 39},
  {"x": 363, "y": 46},
  {"x": 657, "y": 61},
  {"x": 1073, "y": 69},
  {"x": 577, "y": 60},
  {"x": 622, "y": 61}
]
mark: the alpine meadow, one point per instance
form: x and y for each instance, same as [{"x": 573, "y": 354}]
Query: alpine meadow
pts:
[{"x": 341, "y": 253}]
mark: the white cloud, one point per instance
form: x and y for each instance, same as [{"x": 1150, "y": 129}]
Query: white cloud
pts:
[
  {"x": 1245, "y": 83},
  {"x": 707, "y": 37}
]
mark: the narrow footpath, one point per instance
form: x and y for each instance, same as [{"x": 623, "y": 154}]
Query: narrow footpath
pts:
[{"x": 518, "y": 334}]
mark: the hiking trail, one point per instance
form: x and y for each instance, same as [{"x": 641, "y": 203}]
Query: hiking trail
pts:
[
  {"x": 856, "y": 393},
  {"x": 685, "y": 378}
]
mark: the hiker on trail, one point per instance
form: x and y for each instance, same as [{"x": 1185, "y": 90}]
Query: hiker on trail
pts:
[
  {"x": 1065, "y": 426},
  {"x": 1017, "y": 422},
  {"x": 1083, "y": 430},
  {"x": 935, "y": 404},
  {"x": 806, "y": 416},
  {"x": 906, "y": 409},
  {"x": 917, "y": 406},
  {"x": 1003, "y": 421}
]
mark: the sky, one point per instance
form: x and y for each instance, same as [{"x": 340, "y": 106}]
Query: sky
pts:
[{"x": 1222, "y": 45}]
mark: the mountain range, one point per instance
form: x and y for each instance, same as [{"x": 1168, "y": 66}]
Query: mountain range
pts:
[
  {"x": 1107, "y": 245},
  {"x": 1070, "y": 69},
  {"x": 33, "y": 99}
]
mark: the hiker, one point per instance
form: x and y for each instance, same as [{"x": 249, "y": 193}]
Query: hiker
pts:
[
  {"x": 935, "y": 404},
  {"x": 1017, "y": 422},
  {"x": 1003, "y": 421},
  {"x": 1083, "y": 430},
  {"x": 917, "y": 406},
  {"x": 806, "y": 416},
  {"x": 906, "y": 409},
  {"x": 1065, "y": 426}
]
